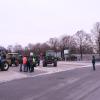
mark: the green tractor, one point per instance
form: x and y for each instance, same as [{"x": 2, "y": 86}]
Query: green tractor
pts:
[{"x": 50, "y": 58}]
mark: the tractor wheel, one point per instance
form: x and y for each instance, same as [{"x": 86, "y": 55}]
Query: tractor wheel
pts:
[{"x": 5, "y": 66}]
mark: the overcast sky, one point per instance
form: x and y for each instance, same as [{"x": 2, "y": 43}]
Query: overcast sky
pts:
[{"x": 32, "y": 21}]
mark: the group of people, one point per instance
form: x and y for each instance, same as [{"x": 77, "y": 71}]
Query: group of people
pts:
[{"x": 27, "y": 63}]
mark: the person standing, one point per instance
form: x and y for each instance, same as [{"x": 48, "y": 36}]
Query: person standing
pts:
[
  {"x": 20, "y": 62},
  {"x": 25, "y": 64},
  {"x": 93, "y": 62},
  {"x": 34, "y": 61},
  {"x": 28, "y": 63},
  {"x": 31, "y": 63}
]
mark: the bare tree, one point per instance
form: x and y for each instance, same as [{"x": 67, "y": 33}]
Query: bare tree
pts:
[
  {"x": 72, "y": 45},
  {"x": 31, "y": 47},
  {"x": 3, "y": 49},
  {"x": 84, "y": 42},
  {"x": 44, "y": 48},
  {"x": 10, "y": 48},
  {"x": 18, "y": 48},
  {"x": 54, "y": 43},
  {"x": 96, "y": 31},
  {"x": 67, "y": 42},
  {"x": 37, "y": 48}
]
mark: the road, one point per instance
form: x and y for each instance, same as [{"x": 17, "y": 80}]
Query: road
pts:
[
  {"x": 14, "y": 73},
  {"x": 76, "y": 84}
]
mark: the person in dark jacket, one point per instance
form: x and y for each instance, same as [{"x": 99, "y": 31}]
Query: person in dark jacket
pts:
[
  {"x": 28, "y": 64},
  {"x": 20, "y": 62},
  {"x": 31, "y": 64},
  {"x": 93, "y": 62}
]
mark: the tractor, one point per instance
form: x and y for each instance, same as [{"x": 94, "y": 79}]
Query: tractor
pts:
[{"x": 50, "y": 58}]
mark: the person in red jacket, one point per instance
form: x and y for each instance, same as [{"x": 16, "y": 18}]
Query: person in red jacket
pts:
[{"x": 25, "y": 64}]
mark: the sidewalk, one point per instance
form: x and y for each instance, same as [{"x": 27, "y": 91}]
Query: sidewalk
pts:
[
  {"x": 64, "y": 66},
  {"x": 13, "y": 73}
]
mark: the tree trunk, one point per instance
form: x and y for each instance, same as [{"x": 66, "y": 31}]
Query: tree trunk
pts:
[
  {"x": 99, "y": 49},
  {"x": 81, "y": 53}
]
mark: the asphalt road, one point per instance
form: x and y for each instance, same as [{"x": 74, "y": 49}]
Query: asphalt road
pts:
[{"x": 77, "y": 84}]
